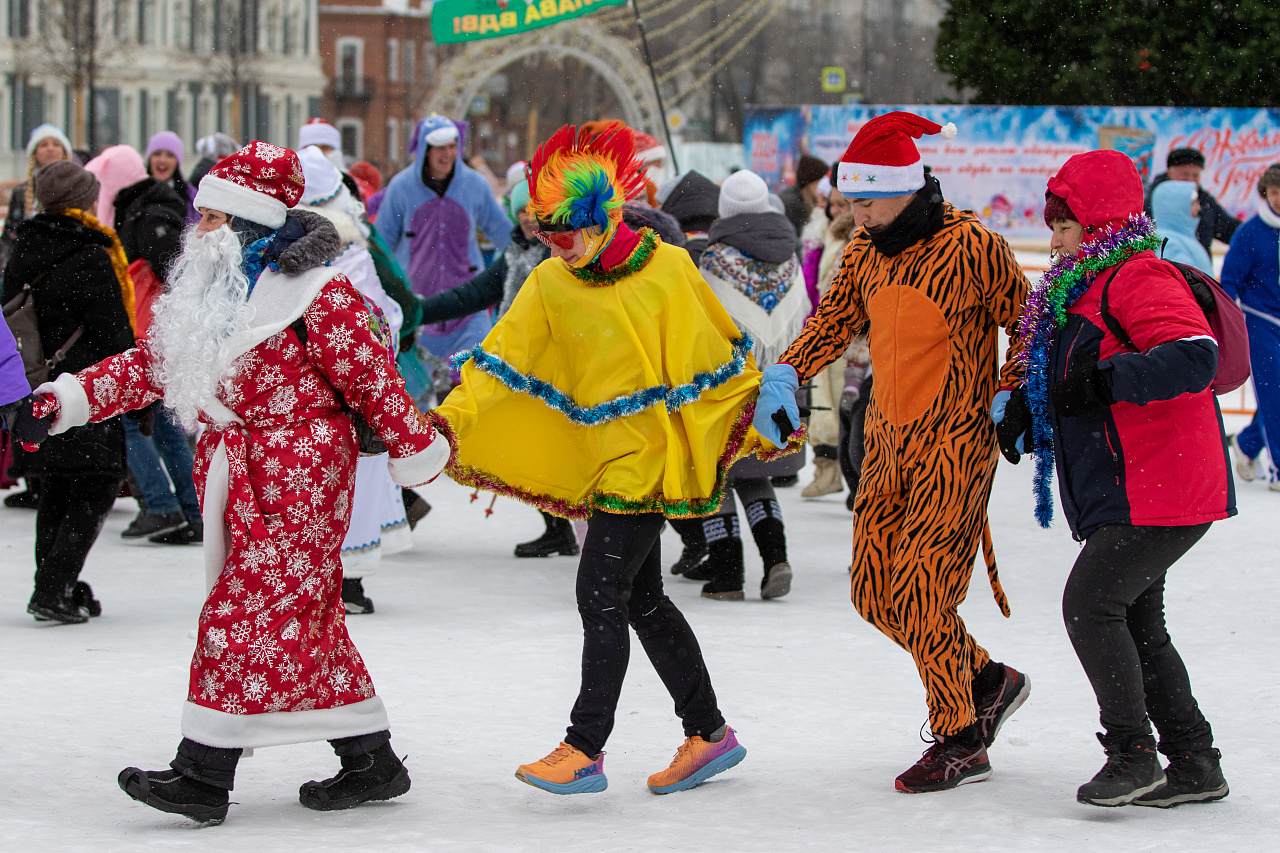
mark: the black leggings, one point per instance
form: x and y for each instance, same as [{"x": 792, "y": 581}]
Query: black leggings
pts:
[
  {"x": 620, "y": 582},
  {"x": 69, "y": 517},
  {"x": 1113, "y": 607}
]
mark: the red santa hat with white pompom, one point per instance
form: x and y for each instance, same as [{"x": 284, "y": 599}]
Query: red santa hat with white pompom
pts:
[
  {"x": 260, "y": 182},
  {"x": 882, "y": 161}
]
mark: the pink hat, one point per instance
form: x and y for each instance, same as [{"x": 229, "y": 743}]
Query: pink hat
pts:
[
  {"x": 115, "y": 168},
  {"x": 260, "y": 182},
  {"x": 166, "y": 140},
  {"x": 882, "y": 161}
]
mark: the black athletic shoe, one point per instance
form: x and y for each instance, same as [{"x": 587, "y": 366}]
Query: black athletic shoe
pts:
[
  {"x": 1132, "y": 769},
  {"x": 690, "y": 557},
  {"x": 191, "y": 533},
  {"x": 146, "y": 524},
  {"x": 948, "y": 763},
  {"x": 559, "y": 541},
  {"x": 82, "y": 596},
  {"x": 701, "y": 572},
  {"x": 22, "y": 500},
  {"x": 415, "y": 506},
  {"x": 57, "y": 608},
  {"x": 1191, "y": 777},
  {"x": 995, "y": 706},
  {"x": 776, "y": 581},
  {"x": 723, "y": 590},
  {"x": 353, "y": 598},
  {"x": 170, "y": 791},
  {"x": 377, "y": 775},
  {"x": 784, "y": 482}
]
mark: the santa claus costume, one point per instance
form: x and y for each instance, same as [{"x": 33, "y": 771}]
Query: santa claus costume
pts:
[
  {"x": 275, "y": 467},
  {"x": 379, "y": 525}
]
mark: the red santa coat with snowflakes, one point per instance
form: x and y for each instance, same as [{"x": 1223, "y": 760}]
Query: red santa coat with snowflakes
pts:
[{"x": 273, "y": 663}]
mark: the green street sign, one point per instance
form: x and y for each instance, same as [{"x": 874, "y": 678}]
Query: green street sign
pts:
[{"x": 455, "y": 21}]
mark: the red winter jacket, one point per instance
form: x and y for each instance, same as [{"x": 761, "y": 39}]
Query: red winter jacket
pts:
[{"x": 1158, "y": 456}]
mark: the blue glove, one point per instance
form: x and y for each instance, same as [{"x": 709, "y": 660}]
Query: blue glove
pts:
[{"x": 777, "y": 391}]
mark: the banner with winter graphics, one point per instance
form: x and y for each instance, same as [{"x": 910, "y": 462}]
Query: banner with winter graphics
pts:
[
  {"x": 999, "y": 162},
  {"x": 472, "y": 20}
]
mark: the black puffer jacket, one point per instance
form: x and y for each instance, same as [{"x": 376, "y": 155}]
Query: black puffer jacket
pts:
[
  {"x": 150, "y": 216},
  {"x": 78, "y": 287},
  {"x": 695, "y": 203}
]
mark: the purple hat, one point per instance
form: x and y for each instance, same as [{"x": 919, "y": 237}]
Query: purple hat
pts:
[{"x": 165, "y": 140}]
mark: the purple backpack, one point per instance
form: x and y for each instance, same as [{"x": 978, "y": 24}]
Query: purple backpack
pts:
[{"x": 1226, "y": 321}]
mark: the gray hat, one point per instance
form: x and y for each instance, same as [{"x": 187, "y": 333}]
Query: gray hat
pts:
[{"x": 63, "y": 184}]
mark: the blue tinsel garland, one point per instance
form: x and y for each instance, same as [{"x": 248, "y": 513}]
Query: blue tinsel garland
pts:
[{"x": 619, "y": 407}]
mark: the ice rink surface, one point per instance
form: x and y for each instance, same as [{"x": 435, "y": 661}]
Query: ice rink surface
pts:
[{"x": 476, "y": 656}]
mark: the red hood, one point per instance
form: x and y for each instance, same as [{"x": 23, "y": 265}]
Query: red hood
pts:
[{"x": 1102, "y": 188}]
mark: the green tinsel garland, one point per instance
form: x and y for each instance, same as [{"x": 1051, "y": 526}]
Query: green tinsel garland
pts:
[{"x": 633, "y": 264}]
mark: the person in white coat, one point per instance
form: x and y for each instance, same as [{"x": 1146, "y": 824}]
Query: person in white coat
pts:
[{"x": 379, "y": 526}]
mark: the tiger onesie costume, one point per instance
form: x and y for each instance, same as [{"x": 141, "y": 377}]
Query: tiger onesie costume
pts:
[{"x": 931, "y": 450}]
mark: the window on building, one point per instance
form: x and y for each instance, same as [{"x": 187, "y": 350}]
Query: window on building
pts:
[
  {"x": 408, "y": 61},
  {"x": 352, "y": 133},
  {"x": 19, "y": 18},
  {"x": 349, "y": 65},
  {"x": 106, "y": 118},
  {"x": 146, "y": 22},
  {"x": 120, "y": 19},
  {"x": 287, "y": 33},
  {"x": 393, "y": 61},
  {"x": 429, "y": 64},
  {"x": 393, "y": 140}
]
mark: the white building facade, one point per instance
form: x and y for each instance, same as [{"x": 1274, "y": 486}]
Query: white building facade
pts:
[{"x": 248, "y": 68}]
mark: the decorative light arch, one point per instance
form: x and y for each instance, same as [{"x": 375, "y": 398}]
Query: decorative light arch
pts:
[{"x": 612, "y": 58}]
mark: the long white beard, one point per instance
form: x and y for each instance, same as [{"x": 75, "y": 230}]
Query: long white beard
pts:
[{"x": 197, "y": 320}]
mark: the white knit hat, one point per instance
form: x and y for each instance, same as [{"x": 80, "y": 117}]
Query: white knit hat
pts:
[
  {"x": 47, "y": 131},
  {"x": 743, "y": 192},
  {"x": 317, "y": 131}
]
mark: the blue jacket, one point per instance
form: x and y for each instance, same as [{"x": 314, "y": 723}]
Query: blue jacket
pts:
[
  {"x": 1251, "y": 272},
  {"x": 1171, "y": 206},
  {"x": 13, "y": 375},
  {"x": 433, "y": 237}
]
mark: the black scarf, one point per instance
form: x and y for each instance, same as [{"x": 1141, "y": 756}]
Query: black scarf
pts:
[{"x": 920, "y": 221}]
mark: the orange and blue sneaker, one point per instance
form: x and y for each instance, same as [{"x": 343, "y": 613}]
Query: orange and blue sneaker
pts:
[
  {"x": 697, "y": 761},
  {"x": 565, "y": 771}
]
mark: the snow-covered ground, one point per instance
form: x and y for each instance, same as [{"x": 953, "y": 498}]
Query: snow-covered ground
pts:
[{"x": 476, "y": 655}]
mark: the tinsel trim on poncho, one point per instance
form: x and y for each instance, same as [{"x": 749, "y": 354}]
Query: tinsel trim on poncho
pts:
[
  {"x": 619, "y": 407},
  {"x": 1046, "y": 312},
  {"x": 477, "y": 478},
  {"x": 593, "y": 275}
]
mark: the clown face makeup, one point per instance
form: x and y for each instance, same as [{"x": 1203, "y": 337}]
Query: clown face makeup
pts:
[{"x": 577, "y": 247}]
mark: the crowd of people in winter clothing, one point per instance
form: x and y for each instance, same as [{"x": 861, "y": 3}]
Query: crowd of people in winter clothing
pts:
[{"x": 274, "y": 353}]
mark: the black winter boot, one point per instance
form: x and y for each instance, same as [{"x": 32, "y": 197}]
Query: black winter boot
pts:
[
  {"x": 559, "y": 539},
  {"x": 1132, "y": 769},
  {"x": 415, "y": 506},
  {"x": 353, "y": 598},
  {"x": 764, "y": 516},
  {"x": 376, "y": 775},
  {"x": 726, "y": 565},
  {"x": 170, "y": 791},
  {"x": 82, "y": 596},
  {"x": 694, "y": 541},
  {"x": 1191, "y": 777},
  {"x": 57, "y": 608}
]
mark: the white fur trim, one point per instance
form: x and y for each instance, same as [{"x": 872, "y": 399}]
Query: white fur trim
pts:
[
  {"x": 949, "y": 130},
  {"x": 229, "y": 731},
  {"x": 319, "y": 133},
  {"x": 213, "y": 514},
  {"x": 234, "y": 200},
  {"x": 651, "y": 154},
  {"x": 73, "y": 403},
  {"x": 278, "y": 300},
  {"x": 422, "y": 467},
  {"x": 442, "y": 135},
  {"x": 1268, "y": 215},
  {"x": 878, "y": 181}
]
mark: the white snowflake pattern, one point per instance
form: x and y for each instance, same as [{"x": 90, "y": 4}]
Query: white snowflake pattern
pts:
[
  {"x": 241, "y": 631},
  {"x": 209, "y": 685},
  {"x": 232, "y": 705},
  {"x": 340, "y": 337},
  {"x": 255, "y": 686},
  {"x": 272, "y": 466},
  {"x": 338, "y": 297},
  {"x": 215, "y": 643},
  {"x": 277, "y": 438},
  {"x": 298, "y": 479},
  {"x": 268, "y": 152},
  {"x": 297, "y": 512},
  {"x": 321, "y": 431},
  {"x": 224, "y": 609},
  {"x": 332, "y": 475},
  {"x": 263, "y": 651},
  {"x": 270, "y": 492},
  {"x": 364, "y": 353},
  {"x": 283, "y": 401},
  {"x": 254, "y": 602},
  {"x": 235, "y": 586},
  {"x": 340, "y": 679},
  {"x": 268, "y": 377},
  {"x": 341, "y": 367},
  {"x": 290, "y": 631},
  {"x": 105, "y": 389}
]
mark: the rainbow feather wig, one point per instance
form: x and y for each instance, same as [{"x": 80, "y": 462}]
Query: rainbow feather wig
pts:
[{"x": 582, "y": 179}]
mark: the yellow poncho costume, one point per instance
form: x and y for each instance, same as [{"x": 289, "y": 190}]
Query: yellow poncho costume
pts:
[{"x": 628, "y": 397}]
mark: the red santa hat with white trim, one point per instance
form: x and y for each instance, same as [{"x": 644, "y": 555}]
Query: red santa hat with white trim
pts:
[
  {"x": 882, "y": 161},
  {"x": 317, "y": 131},
  {"x": 260, "y": 182}
]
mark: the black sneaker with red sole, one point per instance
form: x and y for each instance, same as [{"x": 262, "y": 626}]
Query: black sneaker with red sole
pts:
[
  {"x": 946, "y": 764},
  {"x": 995, "y": 707}
]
